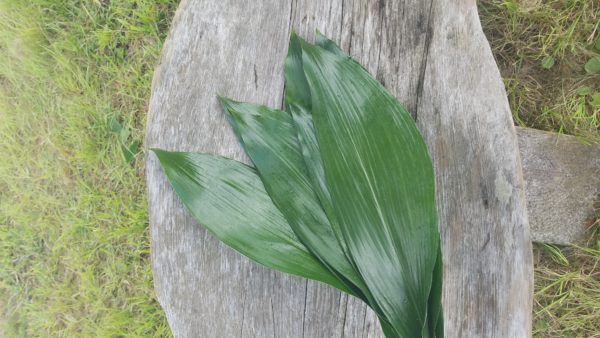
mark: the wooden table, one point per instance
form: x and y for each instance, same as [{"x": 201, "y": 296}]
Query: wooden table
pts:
[{"x": 433, "y": 56}]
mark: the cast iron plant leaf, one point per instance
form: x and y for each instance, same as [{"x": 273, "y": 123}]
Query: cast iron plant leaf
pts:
[
  {"x": 228, "y": 198},
  {"x": 269, "y": 138},
  {"x": 342, "y": 191}
]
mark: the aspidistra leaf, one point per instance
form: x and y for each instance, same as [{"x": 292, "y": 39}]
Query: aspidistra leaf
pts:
[
  {"x": 327, "y": 44},
  {"x": 298, "y": 104},
  {"x": 269, "y": 138},
  {"x": 228, "y": 198},
  {"x": 434, "y": 315},
  {"x": 381, "y": 183}
]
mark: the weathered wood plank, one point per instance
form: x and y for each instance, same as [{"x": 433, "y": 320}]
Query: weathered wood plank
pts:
[
  {"x": 465, "y": 118},
  {"x": 237, "y": 49},
  {"x": 562, "y": 185}
]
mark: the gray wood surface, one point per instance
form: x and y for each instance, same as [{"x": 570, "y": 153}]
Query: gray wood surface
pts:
[
  {"x": 463, "y": 113},
  {"x": 433, "y": 56}
]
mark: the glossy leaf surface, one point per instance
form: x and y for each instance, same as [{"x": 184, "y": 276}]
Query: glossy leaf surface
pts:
[
  {"x": 298, "y": 104},
  {"x": 269, "y": 138},
  {"x": 228, "y": 198},
  {"x": 381, "y": 183}
]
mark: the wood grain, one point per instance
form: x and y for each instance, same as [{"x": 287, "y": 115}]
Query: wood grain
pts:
[
  {"x": 433, "y": 56},
  {"x": 464, "y": 115}
]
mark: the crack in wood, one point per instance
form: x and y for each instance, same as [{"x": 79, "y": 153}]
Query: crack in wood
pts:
[{"x": 424, "y": 59}]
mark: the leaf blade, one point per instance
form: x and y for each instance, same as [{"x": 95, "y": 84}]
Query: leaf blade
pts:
[
  {"x": 298, "y": 104},
  {"x": 269, "y": 138},
  {"x": 228, "y": 198},
  {"x": 358, "y": 124}
]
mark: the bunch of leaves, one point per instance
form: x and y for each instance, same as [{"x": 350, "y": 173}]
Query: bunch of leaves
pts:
[{"x": 342, "y": 189}]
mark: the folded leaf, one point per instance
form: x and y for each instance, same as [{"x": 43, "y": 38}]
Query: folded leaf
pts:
[
  {"x": 228, "y": 198},
  {"x": 381, "y": 183}
]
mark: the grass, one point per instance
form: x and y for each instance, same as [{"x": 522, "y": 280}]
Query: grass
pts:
[
  {"x": 567, "y": 290},
  {"x": 563, "y": 35},
  {"x": 74, "y": 248},
  {"x": 74, "y": 85}
]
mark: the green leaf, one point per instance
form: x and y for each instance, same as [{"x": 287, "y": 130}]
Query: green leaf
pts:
[
  {"x": 303, "y": 121},
  {"x": 435, "y": 315},
  {"x": 547, "y": 62},
  {"x": 124, "y": 134},
  {"x": 596, "y": 100},
  {"x": 593, "y": 65},
  {"x": 130, "y": 151},
  {"x": 298, "y": 103},
  {"x": 269, "y": 138},
  {"x": 381, "y": 183},
  {"x": 114, "y": 125},
  {"x": 296, "y": 87},
  {"x": 228, "y": 198},
  {"x": 327, "y": 44},
  {"x": 583, "y": 90}
]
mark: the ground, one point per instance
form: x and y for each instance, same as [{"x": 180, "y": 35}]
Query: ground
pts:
[{"x": 75, "y": 79}]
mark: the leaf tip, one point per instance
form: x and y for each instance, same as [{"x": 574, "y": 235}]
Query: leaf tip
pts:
[
  {"x": 224, "y": 101},
  {"x": 157, "y": 151},
  {"x": 165, "y": 156},
  {"x": 297, "y": 40},
  {"x": 160, "y": 153}
]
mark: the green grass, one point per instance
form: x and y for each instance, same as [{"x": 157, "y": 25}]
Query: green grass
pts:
[
  {"x": 522, "y": 34},
  {"x": 74, "y": 85},
  {"x": 74, "y": 248},
  {"x": 567, "y": 291}
]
